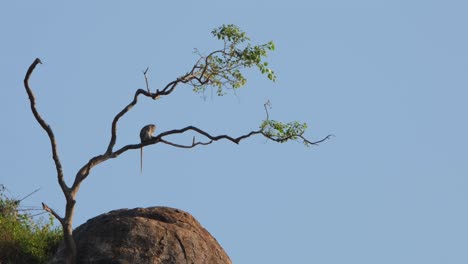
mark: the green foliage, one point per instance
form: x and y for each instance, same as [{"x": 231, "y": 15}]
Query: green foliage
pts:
[
  {"x": 22, "y": 239},
  {"x": 222, "y": 68},
  {"x": 282, "y": 132}
]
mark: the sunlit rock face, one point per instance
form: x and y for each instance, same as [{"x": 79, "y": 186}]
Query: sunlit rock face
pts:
[{"x": 158, "y": 235}]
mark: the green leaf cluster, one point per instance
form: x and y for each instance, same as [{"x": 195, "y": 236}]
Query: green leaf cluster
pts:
[
  {"x": 282, "y": 132},
  {"x": 22, "y": 239},
  {"x": 222, "y": 68}
]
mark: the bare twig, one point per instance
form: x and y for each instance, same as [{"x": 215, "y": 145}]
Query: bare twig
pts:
[
  {"x": 34, "y": 215},
  {"x": 35, "y": 191},
  {"x": 318, "y": 141},
  {"x": 267, "y": 105},
  {"x": 51, "y": 211},
  {"x": 305, "y": 140},
  {"x": 146, "y": 79},
  {"x": 194, "y": 144}
]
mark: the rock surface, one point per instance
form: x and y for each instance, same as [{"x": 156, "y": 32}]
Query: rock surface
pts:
[{"x": 158, "y": 235}]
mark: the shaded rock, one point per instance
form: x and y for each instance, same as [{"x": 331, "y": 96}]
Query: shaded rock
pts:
[{"x": 158, "y": 235}]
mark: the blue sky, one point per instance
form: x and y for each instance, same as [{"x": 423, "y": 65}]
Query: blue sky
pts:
[{"x": 388, "y": 78}]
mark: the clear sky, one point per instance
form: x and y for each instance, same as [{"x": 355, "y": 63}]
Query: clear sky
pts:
[{"x": 388, "y": 78}]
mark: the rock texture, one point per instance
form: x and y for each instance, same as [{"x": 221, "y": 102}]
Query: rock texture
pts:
[{"x": 158, "y": 235}]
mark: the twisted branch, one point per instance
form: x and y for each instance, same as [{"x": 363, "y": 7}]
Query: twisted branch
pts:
[{"x": 46, "y": 127}]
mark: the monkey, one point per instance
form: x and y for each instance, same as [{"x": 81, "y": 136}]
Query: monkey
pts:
[{"x": 146, "y": 134}]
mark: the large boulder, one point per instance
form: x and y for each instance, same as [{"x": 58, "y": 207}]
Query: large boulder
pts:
[{"x": 158, "y": 235}]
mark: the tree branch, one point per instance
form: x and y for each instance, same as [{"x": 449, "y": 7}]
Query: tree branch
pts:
[
  {"x": 169, "y": 88},
  {"x": 47, "y": 128},
  {"x": 159, "y": 138},
  {"x": 213, "y": 138},
  {"x": 86, "y": 169},
  {"x": 120, "y": 114},
  {"x": 305, "y": 140},
  {"x": 318, "y": 141},
  {"x": 194, "y": 144},
  {"x": 51, "y": 211},
  {"x": 146, "y": 79}
]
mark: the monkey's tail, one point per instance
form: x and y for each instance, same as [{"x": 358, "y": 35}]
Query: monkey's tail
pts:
[{"x": 141, "y": 160}]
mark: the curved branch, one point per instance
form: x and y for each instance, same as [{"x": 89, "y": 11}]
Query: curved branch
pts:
[
  {"x": 318, "y": 141},
  {"x": 119, "y": 115},
  {"x": 86, "y": 169},
  {"x": 206, "y": 66},
  {"x": 66, "y": 221},
  {"x": 305, "y": 140},
  {"x": 213, "y": 138},
  {"x": 169, "y": 88},
  {"x": 159, "y": 138},
  {"x": 47, "y": 128},
  {"x": 236, "y": 140},
  {"x": 194, "y": 144}
]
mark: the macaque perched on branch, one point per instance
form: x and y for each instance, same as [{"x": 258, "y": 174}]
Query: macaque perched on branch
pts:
[{"x": 146, "y": 134}]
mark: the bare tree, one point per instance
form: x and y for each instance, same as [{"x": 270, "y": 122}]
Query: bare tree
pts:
[{"x": 221, "y": 70}]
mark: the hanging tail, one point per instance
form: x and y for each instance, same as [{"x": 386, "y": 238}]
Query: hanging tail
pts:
[{"x": 141, "y": 160}]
